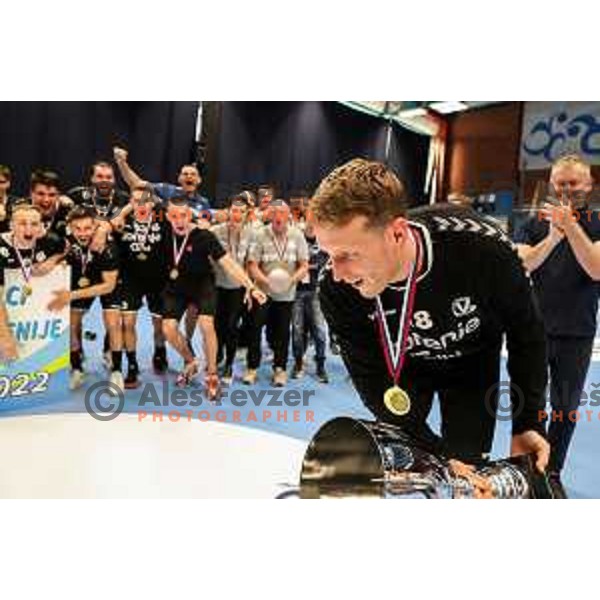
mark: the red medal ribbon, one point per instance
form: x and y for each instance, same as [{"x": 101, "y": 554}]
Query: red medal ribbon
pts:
[{"x": 395, "y": 360}]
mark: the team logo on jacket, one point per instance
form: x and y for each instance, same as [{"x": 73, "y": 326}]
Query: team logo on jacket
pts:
[{"x": 462, "y": 307}]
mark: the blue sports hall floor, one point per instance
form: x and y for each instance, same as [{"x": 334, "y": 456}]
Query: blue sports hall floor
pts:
[{"x": 581, "y": 475}]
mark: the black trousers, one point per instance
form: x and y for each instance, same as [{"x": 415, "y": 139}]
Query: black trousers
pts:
[
  {"x": 279, "y": 316},
  {"x": 245, "y": 328},
  {"x": 568, "y": 362},
  {"x": 230, "y": 305}
]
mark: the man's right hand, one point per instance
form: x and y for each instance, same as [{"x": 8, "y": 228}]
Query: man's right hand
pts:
[
  {"x": 60, "y": 300},
  {"x": 41, "y": 269},
  {"x": 556, "y": 232},
  {"x": 120, "y": 154},
  {"x": 531, "y": 442}
]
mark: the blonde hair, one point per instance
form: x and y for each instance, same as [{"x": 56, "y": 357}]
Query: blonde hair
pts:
[
  {"x": 569, "y": 160},
  {"x": 359, "y": 188},
  {"x": 24, "y": 206}
]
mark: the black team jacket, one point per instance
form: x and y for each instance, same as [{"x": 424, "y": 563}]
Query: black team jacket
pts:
[{"x": 472, "y": 293}]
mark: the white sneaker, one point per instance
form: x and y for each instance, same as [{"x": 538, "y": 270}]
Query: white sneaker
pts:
[
  {"x": 76, "y": 379},
  {"x": 227, "y": 377},
  {"x": 279, "y": 377},
  {"x": 249, "y": 377},
  {"x": 116, "y": 378},
  {"x": 107, "y": 361}
]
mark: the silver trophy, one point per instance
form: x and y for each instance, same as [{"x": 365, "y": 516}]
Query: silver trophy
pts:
[{"x": 355, "y": 458}]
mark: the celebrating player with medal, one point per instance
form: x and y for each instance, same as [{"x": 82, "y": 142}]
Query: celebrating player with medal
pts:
[
  {"x": 473, "y": 293},
  {"x": 24, "y": 248},
  {"x": 192, "y": 284},
  {"x": 143, "y": 274},
  {"x": 93, "y": 274}
]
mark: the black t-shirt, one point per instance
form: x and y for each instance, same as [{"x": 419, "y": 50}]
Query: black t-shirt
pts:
[
  {"x": 194, "y": 264},
  {"x": 90, "y": 264},
  {"x": 103, "y": 208},
  {"x": 316, "y": 261},
  {"x": 568, "y": 296},
  {"x": 472, "y": 291},
  {"x": 146, "y": 240},
  {"x": 45, "y": 247}
]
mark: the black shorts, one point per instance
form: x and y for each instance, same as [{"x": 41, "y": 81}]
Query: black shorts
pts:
[
  {"x": 200, "y": 293},
  {"x": 133, "y": 291},
  {"x": 114, "y": 300},
  {"x": 108, "y": 301}
]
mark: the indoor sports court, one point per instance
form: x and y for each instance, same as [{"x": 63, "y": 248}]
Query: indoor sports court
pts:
[{"x": 425, "y": 265}]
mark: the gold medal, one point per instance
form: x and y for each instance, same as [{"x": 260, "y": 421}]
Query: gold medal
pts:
[
  {"x": 27, "y": 290},
  {"x": 397, "y": 401},
  {"x": 174, "y": 274},
  {"x": 142, "y": 256},
  {"x": 83, "y": 282}
]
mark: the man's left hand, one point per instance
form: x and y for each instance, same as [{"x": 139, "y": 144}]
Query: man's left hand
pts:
[
  {"x": 118, "y": 223},
  {"x": 258, "y": 295},
  {"x": 254, "y": 295},
  {"x": 563, "y": 216},
  {"x": 531, "y": 442}
]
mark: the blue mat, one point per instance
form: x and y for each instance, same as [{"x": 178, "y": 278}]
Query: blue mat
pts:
[{"x": 581, "y": 475}]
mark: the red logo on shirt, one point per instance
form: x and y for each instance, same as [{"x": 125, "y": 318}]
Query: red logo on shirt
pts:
[{"x": 188, "y": 249}]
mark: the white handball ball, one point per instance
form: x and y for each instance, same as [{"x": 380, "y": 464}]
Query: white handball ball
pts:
[{"x": 279, "y": 280}]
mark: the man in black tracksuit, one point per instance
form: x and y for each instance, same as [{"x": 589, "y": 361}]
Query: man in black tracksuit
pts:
[{"x": 470, "y": 291}]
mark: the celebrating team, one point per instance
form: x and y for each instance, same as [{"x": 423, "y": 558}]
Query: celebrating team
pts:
[{"x": 207, "y": 270}]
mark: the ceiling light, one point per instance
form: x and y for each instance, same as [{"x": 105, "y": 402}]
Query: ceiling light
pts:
[{"x": 448, "y": 106}]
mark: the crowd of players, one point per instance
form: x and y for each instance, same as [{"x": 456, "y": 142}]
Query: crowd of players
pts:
[{"x": 231, "y": 273}]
